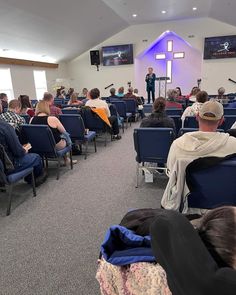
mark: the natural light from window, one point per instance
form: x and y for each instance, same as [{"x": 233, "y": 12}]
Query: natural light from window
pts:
[
  {"x": 40, "y": 82},
  {"x": 6, "y": 83}
]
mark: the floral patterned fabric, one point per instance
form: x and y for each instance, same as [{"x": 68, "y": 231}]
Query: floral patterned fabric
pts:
[{"x": 134, "y": 279}]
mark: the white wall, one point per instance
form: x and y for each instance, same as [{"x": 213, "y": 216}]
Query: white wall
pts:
[
  {"x": 23, "y": 78},
  {"x": 215, "y": 73}
]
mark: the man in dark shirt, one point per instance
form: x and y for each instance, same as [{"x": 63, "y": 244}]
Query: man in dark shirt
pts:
[{"x": 19, "y": 155}]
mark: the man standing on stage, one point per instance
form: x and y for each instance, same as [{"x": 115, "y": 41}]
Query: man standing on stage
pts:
[{"x": 150, "y": 80}]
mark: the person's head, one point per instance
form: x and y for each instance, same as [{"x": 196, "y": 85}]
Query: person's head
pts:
[
  {"x": 130, "y": 90},
  {"x": 221, "y": 91},
  {"x": 3, "y": 97},
  {"x": 202, "y": 96},
  {"x": 70, "y": 91},
  {"x": 85, "y": 92},
  {"x": 42, "y": 107},
  {"x": 25, "y": 102},
  {"x": 136, "y": 91},
  {"x": 194, "y": 91},
  {"x": 210, "y": 116},
  {"x": 150, "y": 70},
  {"x": 112, "y": 91},
  {"x": 14, "y": 106},
  {"x": 94, "y": 93},
  {"x": 217, "y": 230},
  {"x": 48, "y": 97},
  {"x": 172, "y": 94},
  {"x": 179, "y": 92},
  {"x": 74, "y": 97},
  {"x": 121, "y": 90},
  {"x": 159, "y": 105}
]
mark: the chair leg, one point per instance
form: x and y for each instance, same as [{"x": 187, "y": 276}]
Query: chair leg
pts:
[
  {"x": 105, "y": 138},
  {"x": 71, "y": 160},
  {"x": 123, "y": 127},
  {"x": 95, "y": 144},
  {"x": 33, "y": 184},
  {"x": 9, "y": 200},
  {"x": 86, "y": 150},
  {"x": 127, "y": 122},
  {"x": 58, "y": 167},
  {"x": 137, "y": 175}
]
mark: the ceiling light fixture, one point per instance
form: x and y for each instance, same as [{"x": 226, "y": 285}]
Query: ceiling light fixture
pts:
[
  {"x": 163, "y": 12},
  {"x": 194, "y": 8},
  {"x": 134, "y": 15}
]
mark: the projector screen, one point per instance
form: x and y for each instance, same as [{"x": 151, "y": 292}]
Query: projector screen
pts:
[
  {"x": 220, "y": 47},
  {"x": 117, "y": 55}
]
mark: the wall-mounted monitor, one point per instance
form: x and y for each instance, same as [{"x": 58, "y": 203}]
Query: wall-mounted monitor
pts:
[
  {"x": 220, "y": 47},
  {"x": 117, "y": 55}
]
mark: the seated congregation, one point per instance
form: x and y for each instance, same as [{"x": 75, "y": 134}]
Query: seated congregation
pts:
[{"x": 189, "y": 245}]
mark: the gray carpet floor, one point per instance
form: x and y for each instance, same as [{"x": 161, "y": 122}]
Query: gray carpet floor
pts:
[{"x": 50, "y": 244}]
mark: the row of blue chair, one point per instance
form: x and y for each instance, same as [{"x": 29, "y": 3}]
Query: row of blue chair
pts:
[{"x": 208, "y": 186}]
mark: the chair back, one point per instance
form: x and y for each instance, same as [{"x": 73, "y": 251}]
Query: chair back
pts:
[
  {"x": 113, "y": 110},
  {"x": 147, "y": 108},
  {"x": 33, "y": 102},
  {"x": 26, "y": 117},
  {"x": 191, "y": 122},
  {"x": 174, "y": 112},
  {"x": 92, "y": 120},
  {"x": 153, "y": 144},
  {"x": 131, "y": 106},
  {"x": 229, "y": 111},
  {"x": 213, "y": 187},
  {"x": 58, "y": 102},
  {"x": 121, "y": 108},
  {"x": 74, "y": 125},
  {"x": 41, "y": 139},
  {"x": 228, "y": 122},
  {"x": 70, "y": 111}
]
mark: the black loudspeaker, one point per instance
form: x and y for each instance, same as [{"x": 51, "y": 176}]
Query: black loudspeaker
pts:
[{"x": 95, "y": 57}]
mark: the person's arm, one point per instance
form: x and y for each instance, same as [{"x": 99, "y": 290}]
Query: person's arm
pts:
[{"x": 13, "y": 142}]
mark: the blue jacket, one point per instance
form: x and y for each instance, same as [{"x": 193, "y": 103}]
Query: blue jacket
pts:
[{"x": 121, "y": 247}]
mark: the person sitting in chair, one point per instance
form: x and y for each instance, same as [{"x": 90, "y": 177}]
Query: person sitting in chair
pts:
[
  {"x": 96, "y": 102},
  {"x": 54, "y": 110},
  {"x": 12, "y": 115}
]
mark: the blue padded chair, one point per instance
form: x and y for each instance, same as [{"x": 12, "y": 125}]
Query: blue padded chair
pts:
[
  {"x": 213, "y": 187},
  {"x": 147, "y": 108},
  {"x": 229, "y": 111},
  {"x": 73, "y": 111},
  {"x": 131, "y": 107},
  {"x": 178, "y": 122},
  {"x": 74, "y": 125},
  {"x": 58, "y": 102},
  {"x": 34, "y": 102},
  {"x": 191, "y": 122},
  {"x": 10, "y": 179},
  {"x": 122, "y": 111},
  {"x": 186, "y": 130},
  {"x": 94, "y": 123},
  {"x": 228, "y": 122},
  {"x": 174, "y": 112},
  {"x": 26, "y": 117},
  {"x": 42, "y": 141},
  {"x": 152, "y": 146}
]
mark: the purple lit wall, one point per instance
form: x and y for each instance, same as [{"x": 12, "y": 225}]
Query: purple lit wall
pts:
[{"x": 185, "y": 71}]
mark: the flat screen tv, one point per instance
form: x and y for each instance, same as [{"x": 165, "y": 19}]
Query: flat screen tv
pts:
[
  {"x": 220, "y": 47},
  {"x": 117, "y": 55}
]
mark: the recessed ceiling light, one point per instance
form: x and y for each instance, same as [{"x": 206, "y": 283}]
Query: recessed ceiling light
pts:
[
  {"x": 163, "y": 12},
  {"x": 194, "y": 8},
  {"x": 5, "y": 49},
  {"x": 134, "y": 15}
]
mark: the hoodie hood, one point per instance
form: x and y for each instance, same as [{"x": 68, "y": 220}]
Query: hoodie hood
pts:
[{"x": 202, "y": 142}]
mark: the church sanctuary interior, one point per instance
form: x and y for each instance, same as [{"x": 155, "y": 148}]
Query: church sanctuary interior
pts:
[{"x": 117, "y": 147}]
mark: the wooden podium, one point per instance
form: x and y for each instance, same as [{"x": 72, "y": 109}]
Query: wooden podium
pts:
[{"x": 160, "y": 80}]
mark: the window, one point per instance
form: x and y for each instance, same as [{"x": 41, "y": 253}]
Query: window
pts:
[
  {"x": 6, "y": 83},
  {"x": 40, "y": 82}
]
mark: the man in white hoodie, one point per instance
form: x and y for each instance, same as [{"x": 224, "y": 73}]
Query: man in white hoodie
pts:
[{"x": 193, "y": 145}]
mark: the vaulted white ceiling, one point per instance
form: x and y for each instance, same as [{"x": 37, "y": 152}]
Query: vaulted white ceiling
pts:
[{"x": 63, "y": 29}]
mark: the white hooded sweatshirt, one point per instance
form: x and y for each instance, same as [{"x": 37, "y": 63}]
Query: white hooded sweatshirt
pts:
[{"x": 183, "y": 151}]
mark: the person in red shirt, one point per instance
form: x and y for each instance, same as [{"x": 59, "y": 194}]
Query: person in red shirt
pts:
[
  {"x": 26, "y": 108},
  {"x": 171, "y": 99},
  {"x": 54, "y": 111}
]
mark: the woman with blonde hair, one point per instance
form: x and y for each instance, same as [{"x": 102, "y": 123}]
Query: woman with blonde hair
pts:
[{"x": 74, "y": 100}]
